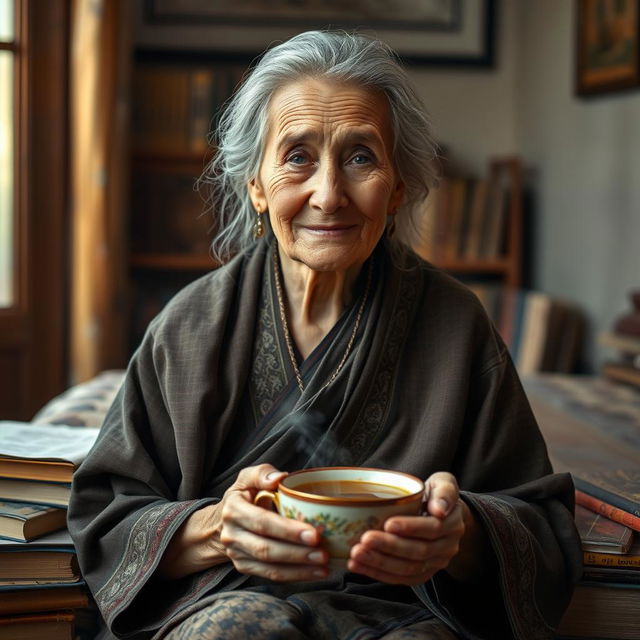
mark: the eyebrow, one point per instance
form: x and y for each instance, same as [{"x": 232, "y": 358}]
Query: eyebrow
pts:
[{"x": 364, "y": 136}]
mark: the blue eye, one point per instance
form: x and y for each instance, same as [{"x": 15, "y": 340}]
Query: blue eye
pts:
[
  {"x": 360, "y": 158},
  {"x": 296, "y": 158}
]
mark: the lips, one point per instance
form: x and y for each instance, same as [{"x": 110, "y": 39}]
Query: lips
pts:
[{"x": 328, "y": 229}]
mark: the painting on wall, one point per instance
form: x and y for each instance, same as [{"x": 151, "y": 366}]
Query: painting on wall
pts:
[
  {"x": 608, "y": 49},
  {"x": 443, "y": 32}
]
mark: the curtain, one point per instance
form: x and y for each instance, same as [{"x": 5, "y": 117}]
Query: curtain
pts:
[{"x": 100, "y": 67}]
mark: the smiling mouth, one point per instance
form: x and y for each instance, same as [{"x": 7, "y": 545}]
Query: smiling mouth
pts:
[{"x": 332, "y": 230}]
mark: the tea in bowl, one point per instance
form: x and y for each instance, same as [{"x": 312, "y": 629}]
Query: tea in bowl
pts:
[{"x": 344, "y": 502}]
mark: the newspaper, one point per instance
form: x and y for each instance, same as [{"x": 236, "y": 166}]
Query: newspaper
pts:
[{"x": 45, "y": 442}]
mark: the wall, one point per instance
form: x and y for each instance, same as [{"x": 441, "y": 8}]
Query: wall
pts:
[
  {"x": 585, "y": 161},
  {"x": 473, "y": 111},
  {"x": 582, "y": 156}
]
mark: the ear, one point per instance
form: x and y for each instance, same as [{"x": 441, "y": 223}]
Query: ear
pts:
[
  {"x": 257, "y": 195},
  {"x": 397, "y": 196}
]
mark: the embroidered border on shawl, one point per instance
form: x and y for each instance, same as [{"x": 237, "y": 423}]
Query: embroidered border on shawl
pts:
[
  {"x": 142, "y": 548},
  {"x": 268, "y": 377},
  {"x": 517, "y": 566},
  {"x": 378, "y": 401}
]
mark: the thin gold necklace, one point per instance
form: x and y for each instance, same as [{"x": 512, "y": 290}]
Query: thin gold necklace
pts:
[{"x": 285, "y": 324}]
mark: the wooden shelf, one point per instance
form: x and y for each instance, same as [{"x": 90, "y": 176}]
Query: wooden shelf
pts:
[
  {"x": 180, "y": 162},
  {"x": 493, "y": 221},
  {"x": 172, "y": 262}
]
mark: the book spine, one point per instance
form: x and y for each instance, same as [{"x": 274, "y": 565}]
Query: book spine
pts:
[
  {"x": 607, "y": 510},
  {"x": 622, "y": 373},
  {"x": 609, "y": 497},
  {"x": 201, "y": 109},
  {"x": 610, "y": 559}
]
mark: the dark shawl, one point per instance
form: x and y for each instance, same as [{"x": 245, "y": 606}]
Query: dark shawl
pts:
[{"x": 428, "y": 387}]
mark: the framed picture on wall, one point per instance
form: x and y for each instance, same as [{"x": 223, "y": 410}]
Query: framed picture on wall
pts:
[
  {"x": 440, "y": 32},
  {"x": 608, "y": 46}
]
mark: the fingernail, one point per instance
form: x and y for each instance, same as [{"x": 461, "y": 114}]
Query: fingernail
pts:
[
  {"x": 308, "y": 537},
  {"x": 443, "y": 504},
  {"x": 316, "y": 556},
  {"x": 273, "y": 475}
]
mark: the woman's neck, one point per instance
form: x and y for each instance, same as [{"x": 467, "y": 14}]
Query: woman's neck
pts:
[{"x": 314, "y": 300}]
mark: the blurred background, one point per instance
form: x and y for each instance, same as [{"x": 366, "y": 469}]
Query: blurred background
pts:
[{"x": 105, "y": 112}]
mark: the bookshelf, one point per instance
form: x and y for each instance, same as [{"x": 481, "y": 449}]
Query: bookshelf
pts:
[
  {"x": 175, "y": 101},
  {"x": 474, "y": 224}
]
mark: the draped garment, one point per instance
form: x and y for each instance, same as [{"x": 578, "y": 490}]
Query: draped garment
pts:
[{"x": 428, "y": 386}]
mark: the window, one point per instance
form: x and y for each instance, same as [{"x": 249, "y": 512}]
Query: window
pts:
[
  {"x": 34, "y": 47},
  {"x": 7, "y": 145}
]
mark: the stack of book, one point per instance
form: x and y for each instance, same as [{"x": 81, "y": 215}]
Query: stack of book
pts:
[
  {"x": 592, "y": 429},
  {"x": 606, "y": 602},
  {"x": 625, "y": 339},
  {"x": 626, "y": 367},
  {"x": 42, "y": 593}
]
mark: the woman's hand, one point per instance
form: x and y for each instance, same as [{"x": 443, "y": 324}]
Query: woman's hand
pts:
[
  {"x": 257, "y": 541},
  {"x": 411, "y": 549}
]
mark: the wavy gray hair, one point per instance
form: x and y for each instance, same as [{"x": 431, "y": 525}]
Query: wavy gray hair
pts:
[{"x": 348, "y": 57}]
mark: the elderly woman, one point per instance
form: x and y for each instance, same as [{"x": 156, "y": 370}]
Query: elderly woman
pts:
[{"x": 322, "y": 341}]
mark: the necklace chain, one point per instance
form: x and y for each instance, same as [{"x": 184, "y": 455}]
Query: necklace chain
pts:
[{"x": 285, "y": 324}]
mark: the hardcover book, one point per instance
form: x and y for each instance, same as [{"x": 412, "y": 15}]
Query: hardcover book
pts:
[
  {"x": 600, "y": 534},
  {"x": 477, "y": 215},
  {"x": 600, "y": 610},
  {"x": 42, "y": 597},
  {"x": 629, "y": 560},
  {"x": 52, "y": 626},
  {"x": 24, "y": 521},
  {"x": 608, "y": 510},
  {"x": 614, "y": 575},
  {"x": 47, "y": 560},
  {"x": 42, "y": 493},
  {"x": 42, "y": 565},
  {"x": 42, "y": 452}
]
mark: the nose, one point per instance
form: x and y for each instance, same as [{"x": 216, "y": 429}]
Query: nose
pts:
[{"x": 328, "y": 192}]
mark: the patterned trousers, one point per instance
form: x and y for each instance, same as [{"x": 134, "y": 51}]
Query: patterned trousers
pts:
[{"x": 244, "y": 615}]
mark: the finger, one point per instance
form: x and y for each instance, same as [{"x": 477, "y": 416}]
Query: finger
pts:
[
  {"x": 262, "y": 476},
  {"x": 281, "y": 572},
  {"x": 424, "y": 527},
  {"x": 390, "y": 570},
  {"x": 238, "y": 514},
  {"x": 244, "y": 545},
  {"x": 410, "y": 549},
  {"x": 391, "y": 544},
  {"x": 442, "y": 494}
]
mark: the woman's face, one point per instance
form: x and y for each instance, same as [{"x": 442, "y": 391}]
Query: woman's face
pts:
[{"x": 327, "y": 177}]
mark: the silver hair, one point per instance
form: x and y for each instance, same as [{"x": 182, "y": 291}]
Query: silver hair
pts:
[{"x": 241, "y": 133}]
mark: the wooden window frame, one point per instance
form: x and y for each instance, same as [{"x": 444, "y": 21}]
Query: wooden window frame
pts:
[{"x": 33, "y": 328}]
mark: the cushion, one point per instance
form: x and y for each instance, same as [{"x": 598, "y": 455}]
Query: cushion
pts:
[{"x": 85, "y": 404}]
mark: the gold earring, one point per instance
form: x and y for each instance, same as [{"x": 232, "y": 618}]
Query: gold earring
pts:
[{"x": 258, "y": 226}]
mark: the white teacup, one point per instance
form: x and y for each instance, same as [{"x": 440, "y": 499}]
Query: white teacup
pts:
[{"x": 344, "y": 502}]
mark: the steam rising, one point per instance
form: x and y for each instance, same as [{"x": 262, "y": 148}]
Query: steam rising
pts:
[{"x": 315, "y": 443}]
